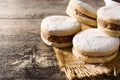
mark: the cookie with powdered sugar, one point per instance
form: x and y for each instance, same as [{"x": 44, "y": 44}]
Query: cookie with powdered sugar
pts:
[
  {"x": 58, "y": 31},
  {"x": 94, "y": 46},
  {"x": 109, "y": 20},
  {"x": 82, "y": 12}
]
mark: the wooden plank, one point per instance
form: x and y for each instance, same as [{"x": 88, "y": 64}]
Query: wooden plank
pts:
[
  {"x": 31, "y": 8},
  {"x": 22, "y": 53},
  {"x": 37, "y": 8}
]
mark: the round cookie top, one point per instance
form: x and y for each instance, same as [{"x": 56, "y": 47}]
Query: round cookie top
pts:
[
  {"x": 109, "y": 13},
  {"x": 85, "y": 5},
  {"x": 60, "y": 25},
  {"x": 94, "y": 41}
]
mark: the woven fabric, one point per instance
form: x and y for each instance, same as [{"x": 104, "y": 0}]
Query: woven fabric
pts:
[{"x": 75, "y": 68}]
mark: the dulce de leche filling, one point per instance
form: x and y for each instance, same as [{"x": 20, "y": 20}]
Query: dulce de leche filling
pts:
[
  {"x": 81, "y": 14},
  {"x": 101, "y": 56},
  {"x": 58, "y": 39},
  {"x": 108, "y": 25}
]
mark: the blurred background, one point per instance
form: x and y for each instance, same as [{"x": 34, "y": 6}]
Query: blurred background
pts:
[{"x": 37, "y": 8}]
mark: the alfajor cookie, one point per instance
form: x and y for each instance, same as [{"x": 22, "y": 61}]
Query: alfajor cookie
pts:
[
  {"x": 94, "y": 46},
  {"x": 58, "y": 31},
  {"x": 82, "y": 12},
  {"x": 112, "y": 2},
  {"x": 109, "y": 20}
]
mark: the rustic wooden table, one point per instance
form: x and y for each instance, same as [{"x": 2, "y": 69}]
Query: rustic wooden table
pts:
[{"x": 23, "y": 55}]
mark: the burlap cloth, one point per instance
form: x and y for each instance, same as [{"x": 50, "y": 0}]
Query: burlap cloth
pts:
[{"x": 76, "y": 69}]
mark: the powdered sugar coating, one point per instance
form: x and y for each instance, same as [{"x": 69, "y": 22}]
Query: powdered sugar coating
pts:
[
  {"x": 85, "y": 5},
  {"x": 93, "y": 40},
  {"x": 110, "y": 13},
  {"x": 60, "y": 25}
]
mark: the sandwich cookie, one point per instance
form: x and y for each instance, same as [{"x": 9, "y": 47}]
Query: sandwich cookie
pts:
[
  {"x": 58, "y": 31},
  {"x": 82, "y": 12},
  {"x": 109, "y": 20},
  {"x": 94, "y": 46},
  {"x": 112, "y": 2}
]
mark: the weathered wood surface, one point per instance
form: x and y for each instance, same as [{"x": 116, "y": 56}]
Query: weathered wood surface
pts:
[
  {"x": 37, "y": 8},
  {"x": 31, "y": 8},
  {"x": 20, "y": 40},
  {"x": 23, "y": 54}
]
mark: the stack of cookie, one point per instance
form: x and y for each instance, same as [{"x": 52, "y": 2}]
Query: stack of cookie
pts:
[
  {"x": 94, "y": 45},
  {"x": 100, "y": 45}
]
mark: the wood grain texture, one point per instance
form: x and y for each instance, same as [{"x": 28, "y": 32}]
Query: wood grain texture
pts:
[
  {"x": 31, "y": 8},
  {"x": 22, "y": 53},
  {"x": 37, "y": 8}
]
